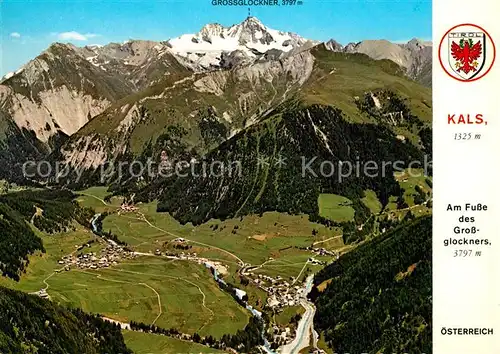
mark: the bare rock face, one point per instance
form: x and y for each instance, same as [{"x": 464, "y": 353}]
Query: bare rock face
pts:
[
  {"x": 140, "y": 63},
  {"x": 91, "y": 153},
  {"x": 420, "y": 67},
  {"x": 334, "y": 46},
  {"x": 58, "y": 91},
  {"x": 214, "y": 83},
  {"x": 58, "y": 109},
  {"x": 210, "y": 31},
  {"x": 297, "y": 68},
  {"x": 232, "y": 59},
  {"x": 51, "y": 98}
]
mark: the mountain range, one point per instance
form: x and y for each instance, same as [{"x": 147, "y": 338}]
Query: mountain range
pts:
[
  {"x": 241, "y": 121},
  {"x": 245, "y": 91}
]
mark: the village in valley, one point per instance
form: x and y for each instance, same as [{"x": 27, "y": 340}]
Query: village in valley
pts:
[{"x": 282, "y": 292}]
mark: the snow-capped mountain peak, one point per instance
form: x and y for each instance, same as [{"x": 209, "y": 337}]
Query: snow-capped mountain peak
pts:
[
  {"x": 211, "y": 30},
  {"x": 251, "y": 31},
  {"x": 250, "y": 39}
]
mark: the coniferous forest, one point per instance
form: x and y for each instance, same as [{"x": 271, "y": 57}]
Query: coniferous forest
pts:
[
  {"x": 29, "y": 324},
  {"x": 50, "y": 211},
  {"x": 282, "y": 168},
  {"x": 379, "y": 297}
]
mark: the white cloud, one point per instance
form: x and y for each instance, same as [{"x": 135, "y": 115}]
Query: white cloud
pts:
[
  {"x": 75, "y": 36},
  {"x": 15, "y": 35}
]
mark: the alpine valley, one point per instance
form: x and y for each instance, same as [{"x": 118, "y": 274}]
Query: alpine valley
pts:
[{"x": 235, "y": 259}]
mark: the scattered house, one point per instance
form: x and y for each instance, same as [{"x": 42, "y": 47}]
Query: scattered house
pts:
[
  {"x": 112, "y": 254},
  {"x": 128, "y": 207},
  {"x": 272, "y": 301},
  {"x": 240, "y": 294}
]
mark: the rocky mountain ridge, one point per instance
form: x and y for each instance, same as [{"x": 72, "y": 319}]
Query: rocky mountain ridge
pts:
[
  {"x": 248, "y": 41},
  {"x": 221, "y": 78},
  {"x": 210, "y": 107},
  {"x": 415, "y": 55}
]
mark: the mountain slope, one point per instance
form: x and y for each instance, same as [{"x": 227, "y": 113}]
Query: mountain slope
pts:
[
  {"x": 415, "y": 56},
  {"x": 50, "y": 211},
  {"x": 201, "y": 110},
  {"x": 208, "y": 108},
  {"x": 54, "y": 95},
  {"x": 29, "y": 324},
  {"x": 326, "y": 122},
  {"x": 284, "y": 163},
  {"x": 49, "y": 99},
  {"x": 378, "y": 297}
]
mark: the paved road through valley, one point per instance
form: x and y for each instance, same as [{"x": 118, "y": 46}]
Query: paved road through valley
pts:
[{"x": 305, "y": 326}]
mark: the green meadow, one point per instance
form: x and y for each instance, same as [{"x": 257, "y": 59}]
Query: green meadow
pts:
[
  {"x": 335, "y": 207},
  {"x": 146, "y": 343},
  {"x": 157, "y": 290},
  {"x": 42, "y": 265}
]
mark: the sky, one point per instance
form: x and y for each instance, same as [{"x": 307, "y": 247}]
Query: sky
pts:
[{"x": 29, "y": 27}]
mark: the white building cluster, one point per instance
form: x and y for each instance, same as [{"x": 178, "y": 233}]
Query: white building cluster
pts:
[{"x": 111, "y": 255}]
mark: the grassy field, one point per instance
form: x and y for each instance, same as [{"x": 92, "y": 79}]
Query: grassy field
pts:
[
  {"x": 290, "y": 265},
  {"x": 94, "y": 198},
  {"x": 283, "y": 318},
  {"x": 146, "y": 343},
  {"x": 249, "y": 243},
  {"x": 322, "y": 344},
  {"x": 371, "y": 201},
  {"x": 252, "y": 239},
  {"x": 335, "y": 207},
  {"x": 409, "y": 180},
  {"x": 190, "y": 300},
  {"x": 42, "y": 265},
  {"x": 169, "y": 293}
]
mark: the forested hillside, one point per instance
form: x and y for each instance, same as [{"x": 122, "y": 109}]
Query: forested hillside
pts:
[
  {"x": 285, "y": 162},
  {"x": 29, "y": 324},
  {"x": 352, "y": 112},
  {"x": 379, "y": 297},
  {"x": 17, "y": 241},
  {"x": 50, "y": 211}
]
